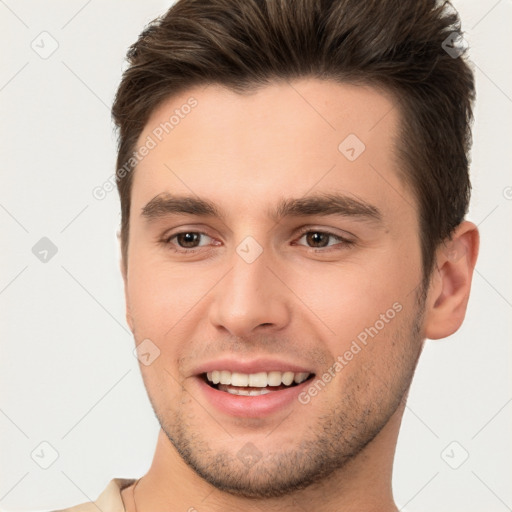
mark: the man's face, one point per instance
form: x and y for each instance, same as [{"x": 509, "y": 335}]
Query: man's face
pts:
[{"x": 305, "y": 260}]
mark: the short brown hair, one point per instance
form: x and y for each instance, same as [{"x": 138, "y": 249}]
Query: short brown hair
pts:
[{"x": 398, "y": 46}]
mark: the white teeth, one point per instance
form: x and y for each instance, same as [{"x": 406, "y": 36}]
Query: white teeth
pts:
[
  {"x": 225, "y": 377},
  {"x": 274, "y": 378},
  {"x": 239, "y": 379},
  {"x": 256, "y": 380},
  {"x": 300, "y": 377},
  {"x": 247, "y": 392},
  {"x": 287, "y": 378}
]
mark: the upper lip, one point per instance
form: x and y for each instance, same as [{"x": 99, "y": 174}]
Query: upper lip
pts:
[{"x": 252, "y": 366}]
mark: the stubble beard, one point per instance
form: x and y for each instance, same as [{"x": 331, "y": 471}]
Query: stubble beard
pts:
[{"x": 325, "y": 447}]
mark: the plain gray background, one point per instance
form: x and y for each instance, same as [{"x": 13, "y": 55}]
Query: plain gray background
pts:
[{"x": 68, "y": 376}]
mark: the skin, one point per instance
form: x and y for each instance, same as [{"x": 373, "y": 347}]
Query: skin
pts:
[{"x": 299, "y": 301}]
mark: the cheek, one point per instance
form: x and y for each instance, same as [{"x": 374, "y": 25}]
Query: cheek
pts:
[
  {"x": 163, "y": 297},
  {"x": 156, "y": 302},
  {"x": 344, "y": 299}
]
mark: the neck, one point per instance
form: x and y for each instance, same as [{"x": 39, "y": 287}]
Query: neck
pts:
[{"x": 364, "y": 484}]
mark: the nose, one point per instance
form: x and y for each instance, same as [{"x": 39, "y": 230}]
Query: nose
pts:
[{"x": 250, "y": 298}]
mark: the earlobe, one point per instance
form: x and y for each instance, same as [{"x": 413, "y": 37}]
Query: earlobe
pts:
[{"x": 451, "y": 282}]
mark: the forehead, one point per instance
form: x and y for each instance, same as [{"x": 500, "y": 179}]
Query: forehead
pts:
[
  {"x": 290, "y": 136},
  {"x": 283, "y": 112}
]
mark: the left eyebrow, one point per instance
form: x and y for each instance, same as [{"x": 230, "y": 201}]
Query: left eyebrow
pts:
[{"x": 327, "y": 204}]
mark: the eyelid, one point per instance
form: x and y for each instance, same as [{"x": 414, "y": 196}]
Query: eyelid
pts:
[
  {"x": 186, "y": 228},
  {"x": 345, "y": 242},
  {"x": 345, "y": 235},
  {"x": 174, "y": 235},
  {"x": 166, "y": 239}
]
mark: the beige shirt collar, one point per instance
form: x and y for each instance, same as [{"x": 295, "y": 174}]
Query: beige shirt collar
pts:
[{"x": 108, "y": 501}]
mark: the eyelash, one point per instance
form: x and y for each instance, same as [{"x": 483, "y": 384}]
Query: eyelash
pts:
[{"x": 346, "y": 243}]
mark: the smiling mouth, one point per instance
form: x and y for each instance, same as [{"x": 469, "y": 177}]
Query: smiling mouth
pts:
[{"x": 254, "y": 384}]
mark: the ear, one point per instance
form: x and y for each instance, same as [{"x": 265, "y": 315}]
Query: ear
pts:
[
  {"x": 450, "y": 282},
  {"x": 124, "y": 272}
]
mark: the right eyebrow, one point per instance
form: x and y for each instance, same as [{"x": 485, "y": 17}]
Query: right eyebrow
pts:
[{"x": 165, "y": 204}]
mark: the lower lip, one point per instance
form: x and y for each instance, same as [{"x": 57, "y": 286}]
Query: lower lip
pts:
[{"x": 251, "y": 406}]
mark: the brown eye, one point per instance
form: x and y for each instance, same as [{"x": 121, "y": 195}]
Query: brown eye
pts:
[
  {"x": 323, "y": 241},
  {"x": 317, "y": 239},
  {"x": 188, "y": 240},
  {"x": 320, "y": 239}
]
